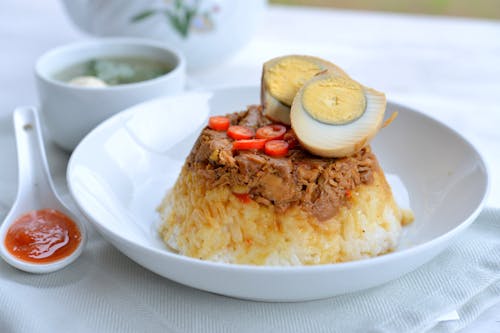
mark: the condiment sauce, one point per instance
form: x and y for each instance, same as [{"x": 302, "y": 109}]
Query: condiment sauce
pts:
[{"x": 42, "y": 236}]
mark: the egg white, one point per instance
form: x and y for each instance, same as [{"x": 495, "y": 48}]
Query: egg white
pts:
[{"x": 328, "y": 140}]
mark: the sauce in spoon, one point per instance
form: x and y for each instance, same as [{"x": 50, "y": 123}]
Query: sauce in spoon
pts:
[
  {"x": 39, "y": 234},
  {"x": 42, "y": 236}
]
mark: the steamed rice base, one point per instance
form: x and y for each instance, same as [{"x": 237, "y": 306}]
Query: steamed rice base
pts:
[{"x": 213, "y": 224}]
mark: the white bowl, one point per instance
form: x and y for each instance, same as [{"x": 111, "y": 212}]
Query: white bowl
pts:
[
  {"x": 212, "y": 31},
  {"x": 69, "y": 112},
  {"x": 121, "y": 170}
]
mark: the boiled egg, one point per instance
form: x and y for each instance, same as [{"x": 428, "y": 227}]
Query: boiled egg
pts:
[
  {"x": 334, "y": 116},
  {"x": 282, "y": 78}
]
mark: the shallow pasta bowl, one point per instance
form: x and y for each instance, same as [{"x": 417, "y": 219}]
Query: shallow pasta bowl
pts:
[{"x": 119, "y": 173}]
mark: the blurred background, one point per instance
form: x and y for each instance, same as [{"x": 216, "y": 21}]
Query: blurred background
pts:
[{"x": 489, "y": 9}]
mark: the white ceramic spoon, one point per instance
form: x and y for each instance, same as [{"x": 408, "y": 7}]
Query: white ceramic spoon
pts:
[{"x": 35, "y": 189}]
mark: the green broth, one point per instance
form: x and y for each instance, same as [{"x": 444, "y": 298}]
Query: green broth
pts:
[{"x": 116, "y": 71}]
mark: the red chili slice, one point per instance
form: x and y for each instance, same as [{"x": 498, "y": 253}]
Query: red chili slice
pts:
[
  {"x": 271, "y": 132},
  {"x": 218, "y": 123},
  {"x": 249, "y": 144},
  {"x": 243, "y": 197},
  {"x": 276, "y": 148},
  {"x": 240, "y": 132}
]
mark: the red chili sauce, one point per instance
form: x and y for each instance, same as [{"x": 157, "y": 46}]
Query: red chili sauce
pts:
[{"x": 42, "y": 236}]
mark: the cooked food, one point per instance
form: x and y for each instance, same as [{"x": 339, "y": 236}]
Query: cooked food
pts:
[
  {"x": 88, "y": 81},
  {"x": 257, "y": 191},
  {"x": 282, "y": 78},
  {"x": 335, "y": 116},
  {"x": 246, "y": 206},
  {"x": 112, "y": 71}
]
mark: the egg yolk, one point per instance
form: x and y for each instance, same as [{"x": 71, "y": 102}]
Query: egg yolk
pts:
[
  {"x": 284, "y": 79},
  {"x": 335, "y": 100}
]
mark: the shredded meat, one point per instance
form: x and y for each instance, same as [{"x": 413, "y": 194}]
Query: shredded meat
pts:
[{"x": 318, "y": 185}]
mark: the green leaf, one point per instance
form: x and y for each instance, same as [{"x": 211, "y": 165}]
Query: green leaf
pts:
[
  {"x": 142, "y": 15},
  {"x": 92, "y": 68},
  {"x": 190, "y": 13},
  {"x": 178, "y": 4},
  {"x": 177, "y": 24}
]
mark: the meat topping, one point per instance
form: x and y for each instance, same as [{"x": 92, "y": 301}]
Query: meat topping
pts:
[{"x": 317, "y": 185}]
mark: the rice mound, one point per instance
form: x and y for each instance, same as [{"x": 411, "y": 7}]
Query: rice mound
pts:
[{"x": 213, "y": 224}]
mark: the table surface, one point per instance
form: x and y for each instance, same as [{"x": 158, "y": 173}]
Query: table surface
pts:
[{"x": 446, "y": 67}]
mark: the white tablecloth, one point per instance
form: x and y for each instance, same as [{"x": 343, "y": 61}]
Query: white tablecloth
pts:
[{"x": 449, "y": 68}]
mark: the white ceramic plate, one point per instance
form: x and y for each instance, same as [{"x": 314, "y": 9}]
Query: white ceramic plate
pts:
[{"x": 121, "y": 170}]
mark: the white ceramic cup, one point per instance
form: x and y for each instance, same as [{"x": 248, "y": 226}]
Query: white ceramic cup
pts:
[
  {"x": 206, "y": 31},
  {"x": 69, "y": 112}
]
